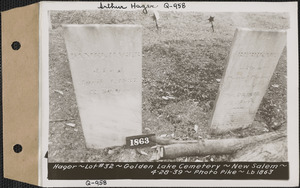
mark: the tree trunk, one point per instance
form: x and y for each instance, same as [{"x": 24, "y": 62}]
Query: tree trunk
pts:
[{"x": 210, "y": 147}]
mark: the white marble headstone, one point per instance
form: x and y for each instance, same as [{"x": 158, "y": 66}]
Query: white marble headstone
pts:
[
  {"x": 106, "y": 68},
  {"x": 252, "y": 60}
]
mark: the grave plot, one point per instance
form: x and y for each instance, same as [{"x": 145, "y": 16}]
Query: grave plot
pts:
[
  {"x": 251, "y": 63},
  {"x": 182, "y": 68}
]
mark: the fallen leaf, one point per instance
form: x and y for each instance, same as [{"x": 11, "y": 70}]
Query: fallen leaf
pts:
[
  {"x": 196, "y": 128},
  {"x": 171, "y": 97},
  {"x": 165, "y": 98},
  {"x": 275, "y": 85},
  {"x": 71, "y": 124},
  {"x": 218, "y": 80},
  {"x": 266, "y": 130},
  {"x": 58, "y": 91},
  {"x": 163, "y": 135},
  {"x": 143, "y": 153},
  {"x": 154, "y": 147},
  {"x": 154, "y": 157},
  {"x": 110, "y": 152}
]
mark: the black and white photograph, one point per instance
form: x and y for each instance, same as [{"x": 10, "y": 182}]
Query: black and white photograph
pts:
[
  {"x": 156, "y": 94},
  {"x": 116, "y": 74},
  {"x": 144, "y": 91}
]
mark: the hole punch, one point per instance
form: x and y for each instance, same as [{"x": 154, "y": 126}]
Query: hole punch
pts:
[
  {"x": 17, "y": 148},
  {"x": 16, "y": 45}
]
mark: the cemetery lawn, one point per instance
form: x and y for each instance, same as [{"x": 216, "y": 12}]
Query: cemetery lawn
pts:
[{"x": 183, "y": 63}]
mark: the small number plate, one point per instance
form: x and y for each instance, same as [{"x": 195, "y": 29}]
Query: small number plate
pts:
[{"x": 139, "y": 141}]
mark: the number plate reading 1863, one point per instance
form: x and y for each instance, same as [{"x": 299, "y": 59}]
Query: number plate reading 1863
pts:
[{"x": 139, "y": 141}]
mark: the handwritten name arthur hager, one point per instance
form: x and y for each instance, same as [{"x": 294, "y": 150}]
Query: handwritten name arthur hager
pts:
[{"x": 132, "y": 6}]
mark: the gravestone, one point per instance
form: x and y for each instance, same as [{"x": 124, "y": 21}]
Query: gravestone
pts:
[
  {"x": 251, "y": 63},
  {"x": 106, "y": 68}
]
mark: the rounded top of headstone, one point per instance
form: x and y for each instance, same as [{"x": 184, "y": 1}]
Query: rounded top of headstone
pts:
[{"x": 260, "y": 30}]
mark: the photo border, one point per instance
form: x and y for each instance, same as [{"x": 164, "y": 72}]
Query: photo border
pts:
[{"x": 292, "y": 92}]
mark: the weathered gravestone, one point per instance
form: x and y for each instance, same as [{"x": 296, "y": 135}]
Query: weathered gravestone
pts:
[
  {"x": 106, "y": 68},
  {"x": 252, "y": 60}
]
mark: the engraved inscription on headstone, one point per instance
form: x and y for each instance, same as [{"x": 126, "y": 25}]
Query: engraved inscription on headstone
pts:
[
  {"x": 252, "y": 60},
  {"x": 106, "y": 68}
]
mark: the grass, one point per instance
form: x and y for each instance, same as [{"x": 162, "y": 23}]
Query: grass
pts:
[{"x": 181, "y": 64}]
